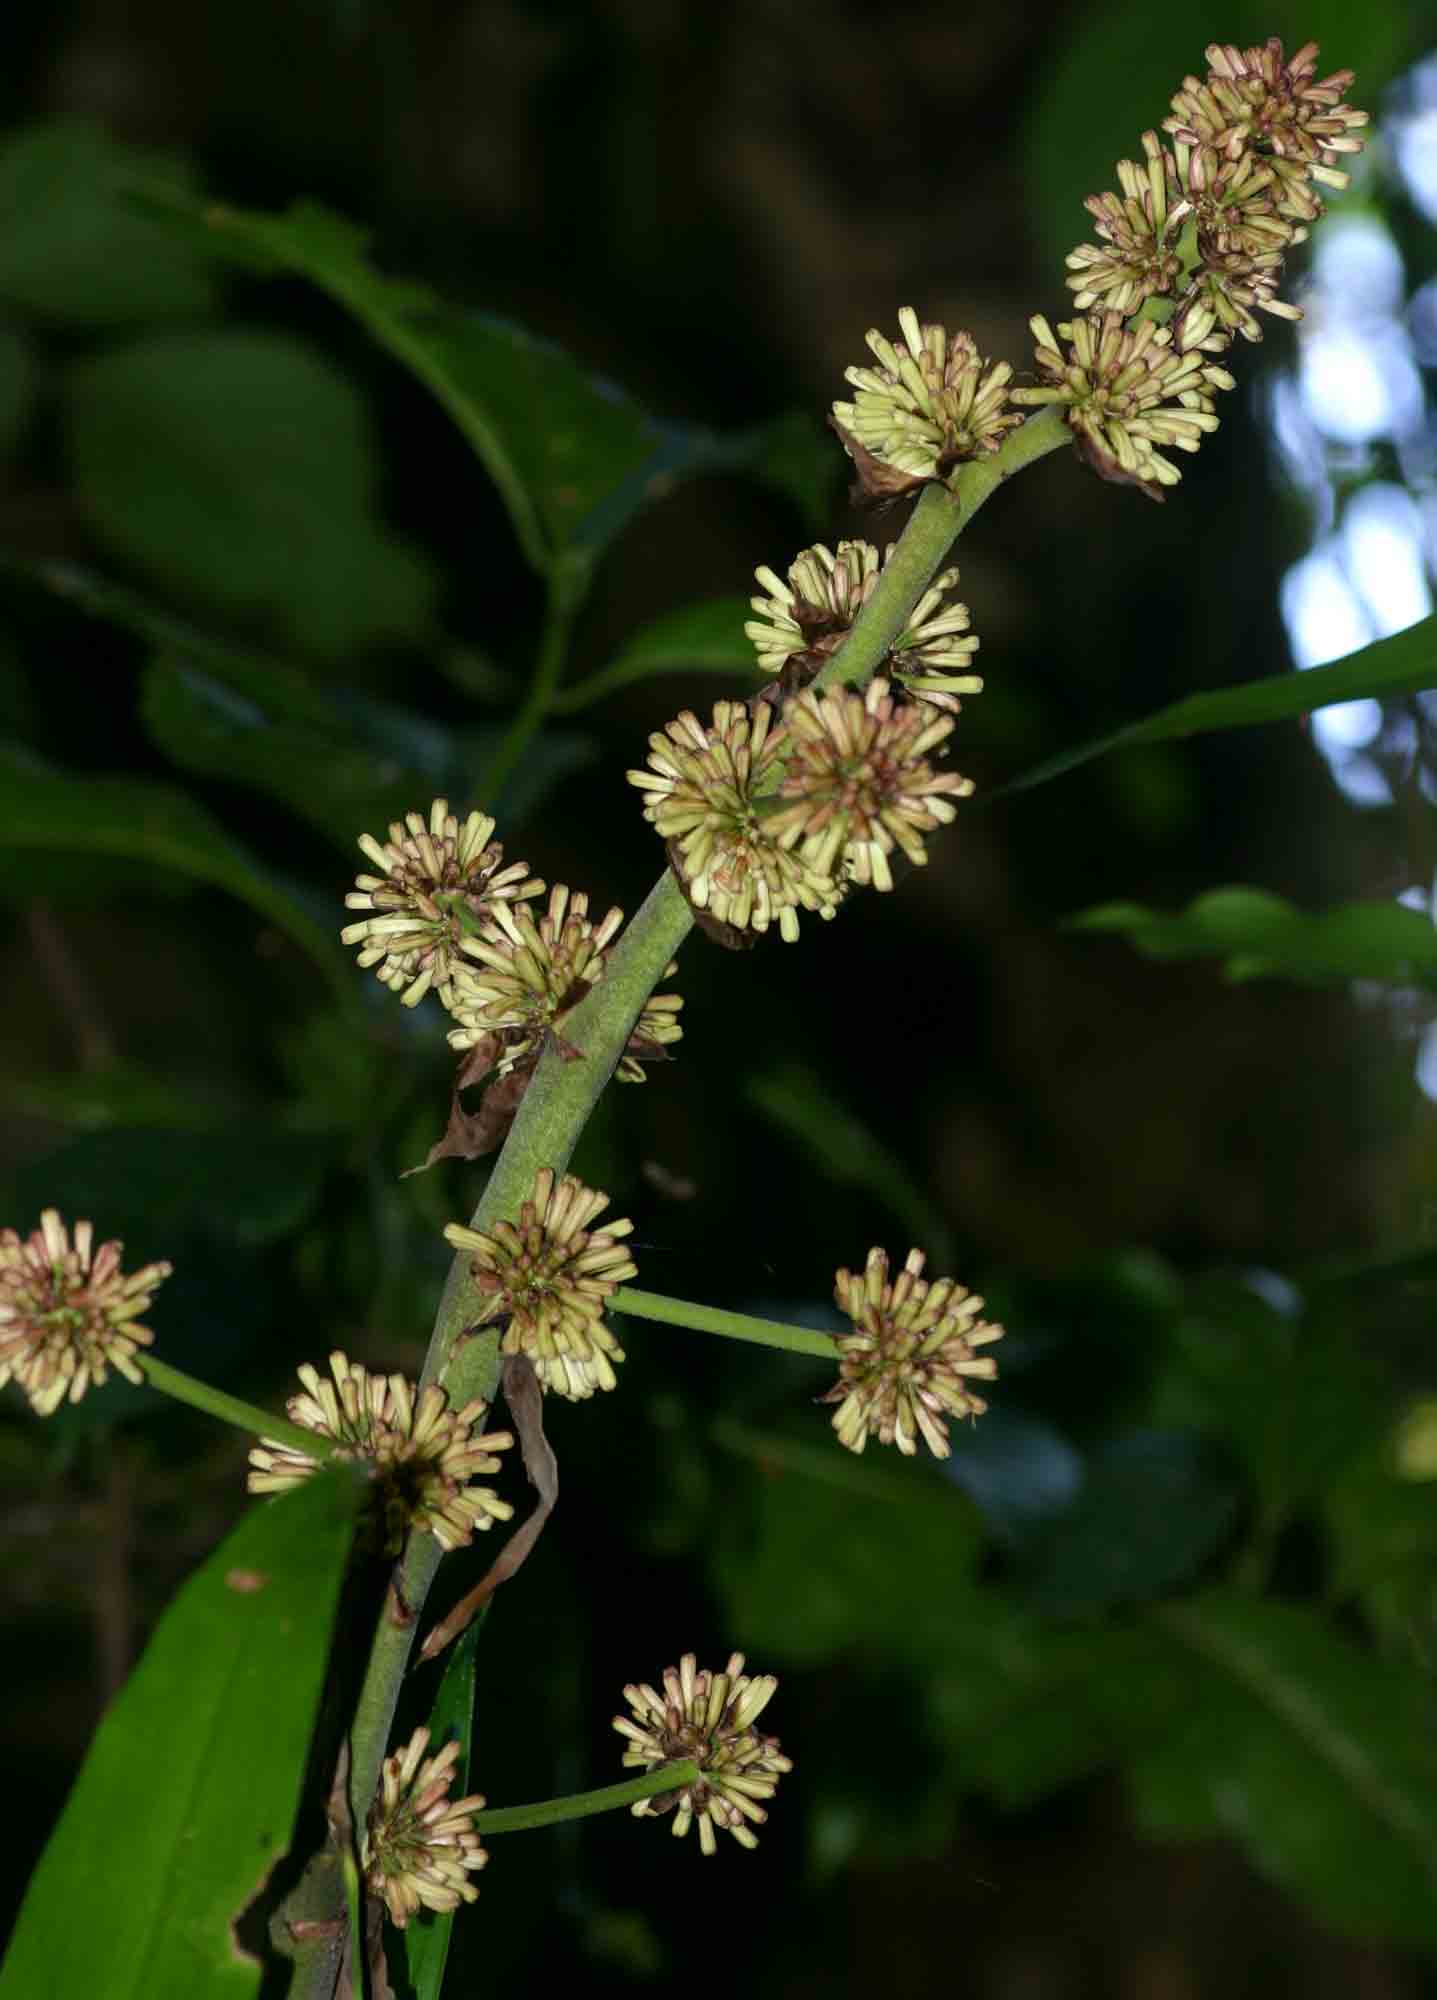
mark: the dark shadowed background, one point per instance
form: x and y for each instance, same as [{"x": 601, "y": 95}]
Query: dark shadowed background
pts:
[{"x": 1025, "y": 1768}]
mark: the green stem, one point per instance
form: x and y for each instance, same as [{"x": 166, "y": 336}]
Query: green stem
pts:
[
  {"x": 736, "y": 1326},
  {"x": 939, "y": 518},
  {"x": 580, "y": 1805},
  {"x": 566, "y": 1087},
  {"x": 568, "y": 582},
  {"x": 231, "y": 1409}
]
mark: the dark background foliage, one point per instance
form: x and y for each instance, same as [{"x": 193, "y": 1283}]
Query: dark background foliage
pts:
[{"x": 1053, "y": 1716}]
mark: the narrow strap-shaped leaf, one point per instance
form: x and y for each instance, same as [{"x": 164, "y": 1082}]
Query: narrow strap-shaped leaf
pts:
[
  {"x": 188, "y": 1795},
  {"x": 1402, "y": 664}
]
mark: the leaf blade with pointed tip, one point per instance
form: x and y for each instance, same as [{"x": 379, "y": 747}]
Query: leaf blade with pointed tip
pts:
[
  {"x": 1406, "y": 663},
  {"x": 190, "y": 1788}
]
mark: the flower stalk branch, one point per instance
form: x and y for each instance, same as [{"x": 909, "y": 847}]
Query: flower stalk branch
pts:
[
  {"x": 233, "y": 1410},
  {"x": 565, "y": 1089},
  {"x": 582, "y": 1805},
  {"x": 734, "y": 1326}
]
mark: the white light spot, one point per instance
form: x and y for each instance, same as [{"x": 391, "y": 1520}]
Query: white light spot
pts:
[
  {"x": 1427, "y": 1061},
  {"x": 1347, "y": 725},
  {"x": 1382, "y": 540},
  {"x": 1324, "y": 616},
  {"x": 1358, "y": 269}
]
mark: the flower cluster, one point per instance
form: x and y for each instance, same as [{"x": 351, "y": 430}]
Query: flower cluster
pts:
[
  {"x": 421, "y": 1455},
  {"x": 523, "y": 975},
  {"x": 420, "y": 1847},
  {"x": 1194, "y": 241},
  {"x": 907, "y": 1365},
  {"x": 1126, "y": 390},
  {"x": 548, "y": 1277},
  {"x": 708, "y": 1718},
  {"x": 438, "y": 881},
  {"x": 858, "y": 783},
  {"x": 803, "y": 619},
  {"x": 446, "y": 916},
  {"x": 766, "y": 817},
  {"x": 708, "y": 791},
  {"x": 930, "y": 404},
  {"x": 68, "y": 1313}
]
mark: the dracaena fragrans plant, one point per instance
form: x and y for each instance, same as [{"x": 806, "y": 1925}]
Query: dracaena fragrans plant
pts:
[{"x": 774, "y": 811}]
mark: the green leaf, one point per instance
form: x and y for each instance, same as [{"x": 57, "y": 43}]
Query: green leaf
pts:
[
  {"x": 426, "y": 1937},
  {"x": 1152, "y": 1507},
  {"x": 1026, "y": 1708},
  {"x": 245, "y": 1186},
  {"x": 1403, "y": 664},
  {"x": 52, "y": 812},
  {"x": 705, "y": 638},
  {"x": 1260, "y": 936},
  {"x": 799, "y": 1104},
  {"x": 571, "y": 455},
  {"x": 1318, "y": 1758},
  {"x": 120, "y": 1093},
  {"x": 818, "y": 1558},
  {"x": 1381, "y": 1521},
  {"x": 73, "y": 250},
  {"x": 237, "y": 467},
  {"x": 323, "y": 773},
  {"x": 188, "y": 1795}
]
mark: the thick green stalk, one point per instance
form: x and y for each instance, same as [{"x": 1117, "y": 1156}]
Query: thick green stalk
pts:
[
  {"x": 581, "y": 1805},
  {"x": 565, "y": 1088},
  {"x": 230, "y": 1409},
  {"x": 736, "y": 1326}
]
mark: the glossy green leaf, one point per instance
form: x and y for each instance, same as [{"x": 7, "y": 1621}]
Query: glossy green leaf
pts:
[
  {"x": 1403, "y": 664},
  {"x": 1380, "y": 1515},
  {"x": 705, "y": 638},
  {"x": 571, "y": 455},
  {"x": 1317, "y": 1757},
  {"x": 73, "y": 250},
  {"x": 1259, "y": 936},
  {"x": 248, "y": 1186},
  {"x": 322, "y": 772},
  {"x": 426, "y": 1937},
  {"x": 1025, "y": 1708},
  {"x": 52, "y": 812},
  {"x": 800, "y": 1105},
  {"x": 289, "y": 690},
  {"x": 187, "y": 1798},
  {"x": 1152, "y": 1507},
  {"x": 237, "y": 467},
  {"x": 820, "y": 1557},
  {"x": 119, "y": 1093}
]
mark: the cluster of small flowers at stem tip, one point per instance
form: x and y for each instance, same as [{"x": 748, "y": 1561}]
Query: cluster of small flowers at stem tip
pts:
[
  {"x": 803, "y": 619},
  {"x": 708, "y": 1718},
  {"x": 908, "y": 1364},
  {"x": 548, "y": 1276},
  {"x": 420, "y": 1847},
  {"x": 420, "y": 1454},
  {"x": 1193, "y": 241},
  {"x": 68, "y": 1313}
]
